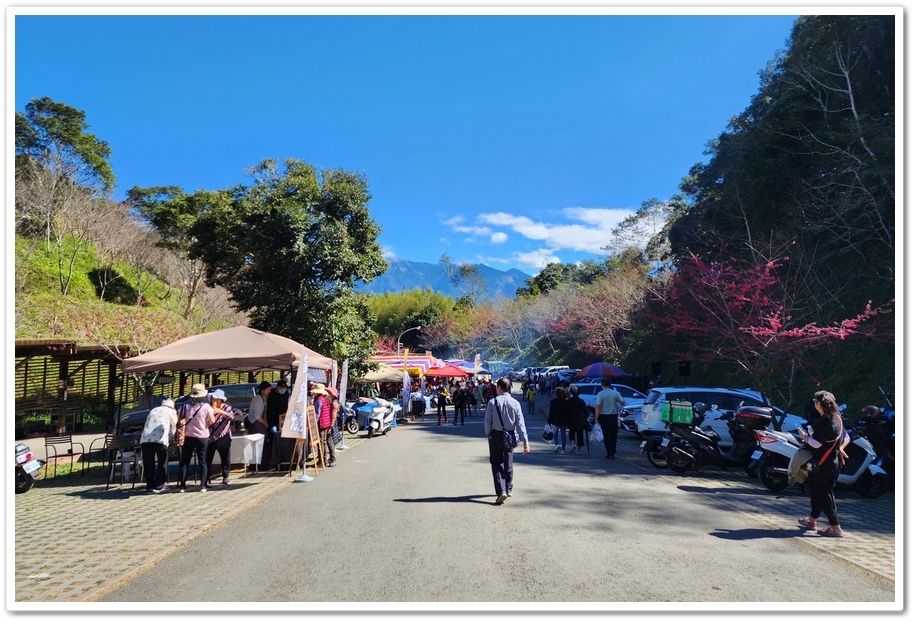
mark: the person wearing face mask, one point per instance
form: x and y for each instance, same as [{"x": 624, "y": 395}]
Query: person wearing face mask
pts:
[{"x": 277, "y": 402}]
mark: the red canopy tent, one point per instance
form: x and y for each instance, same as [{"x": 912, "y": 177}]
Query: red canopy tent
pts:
[{"x": 446, "y": 371}]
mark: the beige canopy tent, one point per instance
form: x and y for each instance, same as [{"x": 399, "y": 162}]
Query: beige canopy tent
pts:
[
  {"x": 384, "y": 374},
  {"x": 239, "y": 349}
]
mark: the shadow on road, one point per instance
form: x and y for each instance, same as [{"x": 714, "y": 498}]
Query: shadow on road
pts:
[
  {"x": 474, "y": 499},
  {"x": 756, "y": 533}
]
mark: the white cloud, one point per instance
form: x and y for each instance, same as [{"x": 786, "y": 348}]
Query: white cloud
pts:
[
  {"x": 499, "y": 237},
  {"x": 538, "y": 258},
  {"x": 475, "y": 230},
  {"x": 389, "y": 254},
  {"x": 589, "y": 234}
]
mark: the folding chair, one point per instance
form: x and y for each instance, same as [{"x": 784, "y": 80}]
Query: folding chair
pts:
[{"x": 123, "y": 452}]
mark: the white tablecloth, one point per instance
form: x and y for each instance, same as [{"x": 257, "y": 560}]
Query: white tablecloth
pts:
[{"x": 246, "y": 449}]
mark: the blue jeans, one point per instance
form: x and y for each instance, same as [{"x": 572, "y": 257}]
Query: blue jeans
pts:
[{"x": 559, "y": 436}]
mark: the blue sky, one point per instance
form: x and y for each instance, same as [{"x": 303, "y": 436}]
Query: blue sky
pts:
[{"x": 511, "y": 140}]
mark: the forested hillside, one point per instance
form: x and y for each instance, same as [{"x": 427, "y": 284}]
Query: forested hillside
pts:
[{"x": 773, "y": 268}]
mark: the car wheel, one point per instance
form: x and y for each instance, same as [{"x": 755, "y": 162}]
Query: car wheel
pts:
[{"x": 770, "y": 474}]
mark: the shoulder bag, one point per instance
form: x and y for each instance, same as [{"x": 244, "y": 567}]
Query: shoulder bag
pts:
[{"x": 510, "y": 440}]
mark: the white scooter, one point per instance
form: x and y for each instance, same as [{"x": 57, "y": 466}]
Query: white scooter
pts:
[
  {"x": 27, "y": 468},
  {"x": 784, "y": 460},
  {"x": 380, "y": 416}
]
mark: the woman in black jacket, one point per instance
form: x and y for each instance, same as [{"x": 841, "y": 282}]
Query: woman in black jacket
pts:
[
  {"x": 578, "y": 413},
  {"x": 825, "y": 442}
]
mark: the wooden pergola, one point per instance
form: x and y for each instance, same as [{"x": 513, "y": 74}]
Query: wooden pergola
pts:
[{"x": 63, "y": 377}]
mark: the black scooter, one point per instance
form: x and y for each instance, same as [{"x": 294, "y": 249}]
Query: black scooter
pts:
[{"x": 692, "y": 447}]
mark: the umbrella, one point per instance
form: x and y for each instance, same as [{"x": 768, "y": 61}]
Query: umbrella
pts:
[
  {"x": 600, "y": 369},
  {"x": 448, "y": 371}
]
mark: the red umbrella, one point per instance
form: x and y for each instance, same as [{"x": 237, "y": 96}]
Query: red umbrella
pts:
[
  {"x": 448, "y": 371},
  {"x": 600, "y": 369}
]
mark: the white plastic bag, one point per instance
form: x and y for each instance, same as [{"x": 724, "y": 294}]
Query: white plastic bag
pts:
[
  {"x": 548, "y": 432},
  {"x": 596, "y": 434}
]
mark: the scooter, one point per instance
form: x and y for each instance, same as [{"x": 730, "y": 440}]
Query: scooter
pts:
[
  {"x": 785, "y": 461},
  {"x": 28, "y": 468},
  {"x": 349, "y": 419},
  {"x": 691, "y": 446},
  {"x": 379, "y": 415}
]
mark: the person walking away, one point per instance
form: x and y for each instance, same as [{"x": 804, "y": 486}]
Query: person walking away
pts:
[
  {"x": 256, "y": 422},
  {"x": 826, "y": 442},
  {"x": 194, "y": 420},
  {"x": 531, "y": 397},
  {"x": 159, "y": 429},
  {"x": 473, "y": 398},
  {"x": 275, "y": 407},
  {"x": 441, "y": 403},
  {"x": 503, "y": 413},
  {"x": 558, "y": 418},
  {"x": 459, "y": 400},
  {"x": 577, "y": 412},
  {"x": 323, "y": 412},
  {"x": 220, "y": 435},
  {"x": 607, "y": 412}
]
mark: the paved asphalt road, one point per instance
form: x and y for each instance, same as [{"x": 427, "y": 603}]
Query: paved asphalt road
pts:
[{"x": 408, "y": 520}]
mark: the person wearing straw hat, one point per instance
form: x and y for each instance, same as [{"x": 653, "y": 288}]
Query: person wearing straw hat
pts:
[
  {"x": 194, "y": 420},
  {"x": 322, "y": 404}
]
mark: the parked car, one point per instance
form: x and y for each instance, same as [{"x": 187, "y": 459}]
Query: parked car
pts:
[
  {"x": 238, "y": 396},
  {"x": 633, "y": 398},
  {"x": 567, "y": 376},
  {"x": 718, "y": 399}
]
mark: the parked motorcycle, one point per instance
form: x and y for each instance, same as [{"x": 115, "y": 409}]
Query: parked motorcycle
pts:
[
  {"x": 877, "y": 425},
  {"x": 656, "y": 447},
  {"x": 786, "y": 461},
  {"x": 28, "y": 468},
  {"x": 379, "y": 416},
  {"x": 691, "y": 446},
  {"x": 349, "y": 419}
]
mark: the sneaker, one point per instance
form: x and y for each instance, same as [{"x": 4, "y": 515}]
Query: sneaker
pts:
[
  {"x": 829, "y": 531},
  {"x": 182, "y": 490},
  {"x": 557, "y": 449},
  {"x": 501, "y": 498},
  {"x": 332, "y": 464},
  {"x": 203, "y": 489},
  {"x": 804, "y": 523},
  {"x": 225, "y": 481},
  {"x": 572, "y": 450}
]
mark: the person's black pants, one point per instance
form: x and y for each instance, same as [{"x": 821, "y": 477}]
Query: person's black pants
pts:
[
  {"x": 822, "y": 497},
  {"x": 221, "y": 445},
  {"x": 197, "y": 447},
  {"x": 500, "y": 463},
  {"x": 155, "y": 458},
  {"x": 609, "y": 427}
]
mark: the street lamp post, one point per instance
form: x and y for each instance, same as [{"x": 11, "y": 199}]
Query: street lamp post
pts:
[{"x": 402, "y": 335}]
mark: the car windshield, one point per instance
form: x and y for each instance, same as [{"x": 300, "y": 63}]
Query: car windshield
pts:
[{"x": 653, "y": 396}]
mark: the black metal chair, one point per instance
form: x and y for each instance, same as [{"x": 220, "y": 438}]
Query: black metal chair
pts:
[
  {"x": 123, "y": 454},
  {"x": 61, "y": 446}
]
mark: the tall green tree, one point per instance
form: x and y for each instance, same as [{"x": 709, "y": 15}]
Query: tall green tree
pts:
[
  {"x": 290, "y": 248},
  {"x": 60, "y": 170}
]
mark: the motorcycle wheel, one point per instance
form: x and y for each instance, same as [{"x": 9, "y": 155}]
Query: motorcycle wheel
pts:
[
  {"x": 870, "y": 485},
  {"x": 677, "y": 462},
  {"x": 24, "y": 481},
  {"x": 751, "y": 468},
  {"x": 769, "y": 478},
  {"x": 656, "y": 454},
  {"x": 352, "y": 427}
]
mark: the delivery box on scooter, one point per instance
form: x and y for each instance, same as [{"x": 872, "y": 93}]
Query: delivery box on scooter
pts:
[{"x": 677, "y": 412}]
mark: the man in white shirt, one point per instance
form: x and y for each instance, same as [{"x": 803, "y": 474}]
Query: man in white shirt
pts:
[{"x": 608, "y": 403}]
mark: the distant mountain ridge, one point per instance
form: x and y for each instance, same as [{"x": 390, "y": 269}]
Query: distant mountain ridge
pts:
[{"x": 405, "y": 275}]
